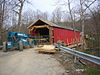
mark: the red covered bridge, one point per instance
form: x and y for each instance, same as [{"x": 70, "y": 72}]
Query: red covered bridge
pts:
[{"x": 45, "y": 29}]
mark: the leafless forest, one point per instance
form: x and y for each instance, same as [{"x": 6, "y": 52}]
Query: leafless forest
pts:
[{"x": 83, "y": 15}]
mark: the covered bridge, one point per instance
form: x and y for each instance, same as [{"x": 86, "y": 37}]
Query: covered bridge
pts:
[{"x": 45, "y": 29}]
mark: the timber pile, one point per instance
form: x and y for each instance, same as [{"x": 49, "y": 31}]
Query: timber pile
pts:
[
  {"x": 74, "y": 45},
  {"x": 46, "y": 48}
]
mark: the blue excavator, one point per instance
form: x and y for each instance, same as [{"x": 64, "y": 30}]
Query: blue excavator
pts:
[{"x": 17, "y": 40}]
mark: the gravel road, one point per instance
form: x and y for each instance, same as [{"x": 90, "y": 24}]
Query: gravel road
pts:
[{"x": 29, "y": 62}]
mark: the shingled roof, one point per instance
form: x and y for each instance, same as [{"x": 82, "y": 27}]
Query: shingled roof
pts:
[{"x": 50, "y": 24}]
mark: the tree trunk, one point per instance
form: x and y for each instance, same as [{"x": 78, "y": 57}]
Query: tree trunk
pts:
[
  {"x": 73, "y": 23},
  {"x": 20, "y": 17},
  {"x": 2, "y": 10}
]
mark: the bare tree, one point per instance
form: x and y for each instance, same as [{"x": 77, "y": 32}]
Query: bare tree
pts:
[
  {"x": 82, "y": 15},
  {"x": 57, "y": 15},
  {"x": 82, "y": 21},
  {"x": 45, "y": 15},
  {"x": 19, "y": 4},
  {"x": 40, "y": 15},
  {"x": 2, "y": 11},
  {"x": 73, "y": 21}
]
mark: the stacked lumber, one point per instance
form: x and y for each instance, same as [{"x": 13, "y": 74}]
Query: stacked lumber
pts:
[{"x": 46, "y": 48}]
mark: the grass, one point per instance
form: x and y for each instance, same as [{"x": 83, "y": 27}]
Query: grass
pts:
[
  {"x": 92, "y": 71},
  {"x": 91, "y": 52}
]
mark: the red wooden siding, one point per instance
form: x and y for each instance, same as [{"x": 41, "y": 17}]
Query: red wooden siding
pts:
[{"x": 65, "y": 35}]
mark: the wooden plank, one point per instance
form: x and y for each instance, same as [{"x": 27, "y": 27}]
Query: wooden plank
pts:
[
  {"x": 50, "y": 35},
  {"x": 42, "y": 26},
  {"x": 46, "y": 50},
  {"x": 40, "y": 39},
  {"x": 74, "y": 45}
]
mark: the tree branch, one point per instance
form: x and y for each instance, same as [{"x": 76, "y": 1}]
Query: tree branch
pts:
[
  {"x": 16, "y": 11},
  {"x": 89, "y": 5}
]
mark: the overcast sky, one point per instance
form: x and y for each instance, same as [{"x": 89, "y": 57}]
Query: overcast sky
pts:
[
  {"x": 47, "y": 5},
  {"x": 42, "y": 5}
]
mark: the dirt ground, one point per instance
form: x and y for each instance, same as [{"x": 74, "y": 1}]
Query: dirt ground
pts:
[
  {"x": 67, "y": 61},
  {"x": 29, "y": 62}
]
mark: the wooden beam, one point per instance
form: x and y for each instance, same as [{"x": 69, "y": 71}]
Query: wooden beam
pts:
[
  {"x": 42, "y": 26},
  {"x": 50, "y": 35}
]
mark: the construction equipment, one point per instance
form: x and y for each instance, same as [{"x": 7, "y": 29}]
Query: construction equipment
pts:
[{"x": 18, "y": 40}]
